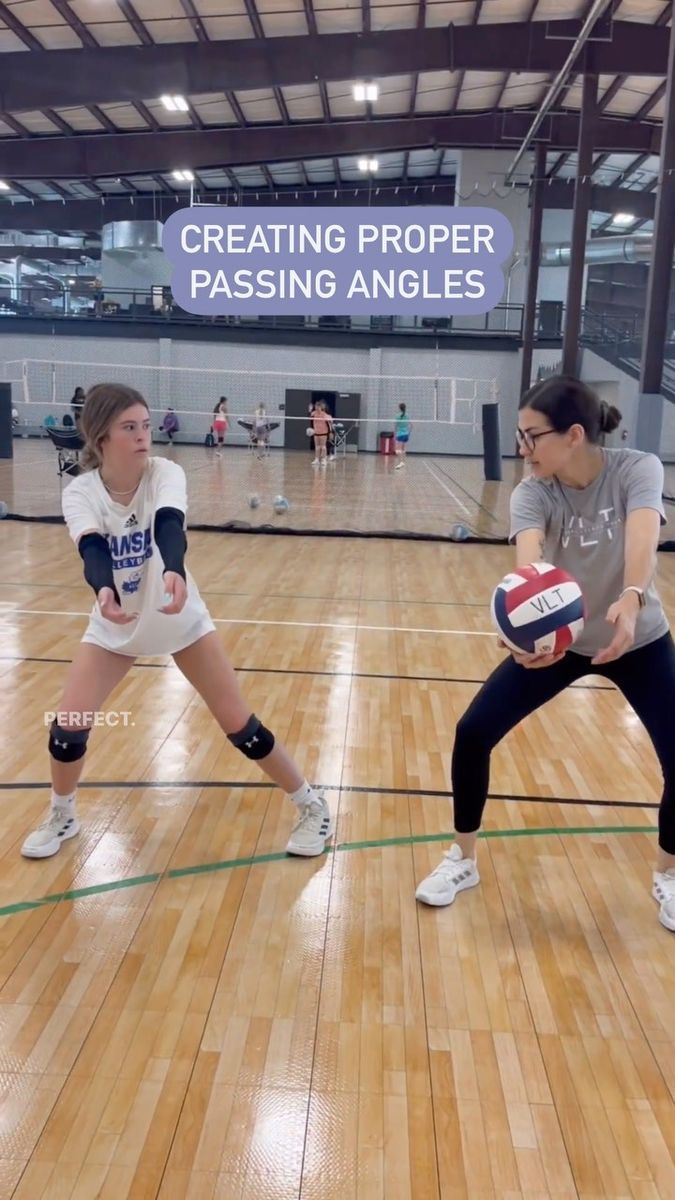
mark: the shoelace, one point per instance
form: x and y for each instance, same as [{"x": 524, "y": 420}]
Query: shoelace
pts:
[
  {"x": 312, "y": 808},
  {"x": 59, "y": 816},
  {"x": 452, "y": 868}
]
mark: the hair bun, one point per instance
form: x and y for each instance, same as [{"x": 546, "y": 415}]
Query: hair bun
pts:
[{"x": 610, "y": 417}]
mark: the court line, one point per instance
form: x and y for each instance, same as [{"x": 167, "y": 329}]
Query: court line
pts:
[
  {"x": 296, "y": 671},
  {"x": 446, "y": 488},
  {"x": 7, "y": 611},
  {"x": 286, "y": 596},
  {"x": 281, "y": 856},
  {"x": 491, "y": 515},
  {"x": 243, "y": 785}
]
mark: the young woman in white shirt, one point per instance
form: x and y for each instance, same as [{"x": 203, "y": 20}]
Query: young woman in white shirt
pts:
[{"x": 126, "y": 514}]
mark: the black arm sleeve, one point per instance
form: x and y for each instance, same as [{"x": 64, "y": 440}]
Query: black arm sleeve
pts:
[
  {"x": 98, "y": 566},
  {"x": 170, "y": 538}
]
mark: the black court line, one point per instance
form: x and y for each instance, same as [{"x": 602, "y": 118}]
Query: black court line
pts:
[
  {"x": 74, "y": 587},
  {"x": 468, "y": 495},
  {"x": 297, "y": 671},
  {"x": 192, "y": 784}
]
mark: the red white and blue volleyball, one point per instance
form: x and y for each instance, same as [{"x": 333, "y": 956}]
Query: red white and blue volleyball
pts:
[{"x": 538, "y": 609}]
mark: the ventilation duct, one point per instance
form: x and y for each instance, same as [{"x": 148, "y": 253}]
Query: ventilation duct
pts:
[
  {"x": 629, "y": 249},
  {"x": 132, "y": 237}
]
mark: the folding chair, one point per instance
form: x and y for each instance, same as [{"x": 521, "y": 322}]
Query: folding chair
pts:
[{"x": 68, "y": 444}]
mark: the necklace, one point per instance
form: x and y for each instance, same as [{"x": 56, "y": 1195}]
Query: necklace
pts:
[{"x": 112, "y": 492}]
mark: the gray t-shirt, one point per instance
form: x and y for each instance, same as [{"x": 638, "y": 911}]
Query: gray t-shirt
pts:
[{"x": 585, "y": 536}]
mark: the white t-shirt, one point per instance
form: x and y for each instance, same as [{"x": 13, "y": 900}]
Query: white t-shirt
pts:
[{"x": 137, "y": 563}]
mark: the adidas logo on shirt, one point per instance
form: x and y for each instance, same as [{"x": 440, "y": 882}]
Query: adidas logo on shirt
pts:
[{"x": 131, "y": 522}]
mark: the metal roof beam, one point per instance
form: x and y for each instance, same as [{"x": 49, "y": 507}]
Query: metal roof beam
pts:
[
  {"x": 115, "y": 74},
  {"x": 103, "y": 155}
]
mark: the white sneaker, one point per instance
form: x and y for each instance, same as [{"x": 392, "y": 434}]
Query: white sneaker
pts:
[
  {"x": 312, "y": 829},
  {"x": 664, "y": 891},
  {"x": 451, "y": 876},
  {"x": 61, "y": 824},
  {"x": 399, "y": 465},
  {"x": 315, "y": 462}
]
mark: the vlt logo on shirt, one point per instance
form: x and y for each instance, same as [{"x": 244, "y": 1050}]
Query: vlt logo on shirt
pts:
[
  {"x": 589, "y": 533},
  {"x": 131, "y": 549}
]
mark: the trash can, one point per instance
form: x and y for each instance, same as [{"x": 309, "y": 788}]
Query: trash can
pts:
[{"x": 387, "y": 441}]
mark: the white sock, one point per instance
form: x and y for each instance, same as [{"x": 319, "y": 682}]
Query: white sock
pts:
[
  {"x": 63, "y": 801},
  {"x": 304, "y": 794}
]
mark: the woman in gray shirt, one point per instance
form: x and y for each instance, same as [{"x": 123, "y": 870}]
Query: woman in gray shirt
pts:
[{"x": 595, "y": 513}]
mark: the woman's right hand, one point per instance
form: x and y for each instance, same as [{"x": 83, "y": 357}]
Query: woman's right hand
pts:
[
  {"x": 111, "y": 610},
  {"x": 532, "y": 661}
]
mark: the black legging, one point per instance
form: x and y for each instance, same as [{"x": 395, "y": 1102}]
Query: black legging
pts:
[{"x": 645, "y": 676}]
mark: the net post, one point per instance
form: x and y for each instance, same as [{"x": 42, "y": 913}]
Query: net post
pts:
[{"x": 492, "y": 457}]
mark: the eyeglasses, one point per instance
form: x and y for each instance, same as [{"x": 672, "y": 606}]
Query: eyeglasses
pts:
[{"x": 529, "y": 440}]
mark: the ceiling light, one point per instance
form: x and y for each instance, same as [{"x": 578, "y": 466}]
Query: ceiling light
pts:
[
  {"x": 183, "y": 176},
  {"x": 368, "y": 164},
  {"x": 365, "y": 91},
  {"x": 4, "y": 187},
  {"x": 623, "y": 219},
  {"x": 175, "y": 103}
]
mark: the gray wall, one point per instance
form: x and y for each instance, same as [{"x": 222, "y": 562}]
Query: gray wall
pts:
[{"x": 191, "y": 376}]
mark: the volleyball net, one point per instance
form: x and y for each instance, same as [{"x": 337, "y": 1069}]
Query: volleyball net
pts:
[{"x": 445, "y": 481}]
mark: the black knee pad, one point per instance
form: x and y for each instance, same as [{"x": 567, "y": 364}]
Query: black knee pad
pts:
[
  {"x": 253, "y": 740},
  {"x": 67, "y": 745}
]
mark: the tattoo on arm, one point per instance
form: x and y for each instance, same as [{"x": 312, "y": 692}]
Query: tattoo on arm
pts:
[{"x": 542, "y": 547}]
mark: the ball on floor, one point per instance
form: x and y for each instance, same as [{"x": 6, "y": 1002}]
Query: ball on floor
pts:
[
  {"x": 460, "y": 533},
  {"x": 3, "y": 509},
  {"x": 280, "y": 504}
]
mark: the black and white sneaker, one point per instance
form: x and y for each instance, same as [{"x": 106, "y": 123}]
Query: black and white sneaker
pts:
[
  {"x": 663, "y": 891},
  {"x": 61, "y": 824},
  {"x": 312, "y": 829},
  {"x": 451, "y": 876}
]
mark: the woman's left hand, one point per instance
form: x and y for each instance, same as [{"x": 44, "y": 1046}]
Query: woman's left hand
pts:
[
  {"x": 622, "y": 615},
  {"x": 175, "y": 587}
]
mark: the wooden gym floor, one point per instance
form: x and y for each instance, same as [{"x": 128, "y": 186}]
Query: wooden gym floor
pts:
[
  {"x": 360, "y": 492},
  {"x": 186, "y": 1013}
]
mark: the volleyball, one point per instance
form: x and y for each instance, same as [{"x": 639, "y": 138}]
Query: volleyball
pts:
[
  {"x": 538, "y": 609},
  {"x": 459, "y": 533}
]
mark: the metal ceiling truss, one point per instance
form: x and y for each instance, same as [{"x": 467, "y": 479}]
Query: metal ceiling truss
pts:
[
  {"x": 615, "y": 87},
  {"x": 108, "y": 155},
  {"x": 93, "y": 214},
  {"x": 117, "y": 74}
]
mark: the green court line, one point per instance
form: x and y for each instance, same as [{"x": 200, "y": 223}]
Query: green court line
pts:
[
  {"x": 499, "y": 833},
  {"x": 254, "y": 860}
]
